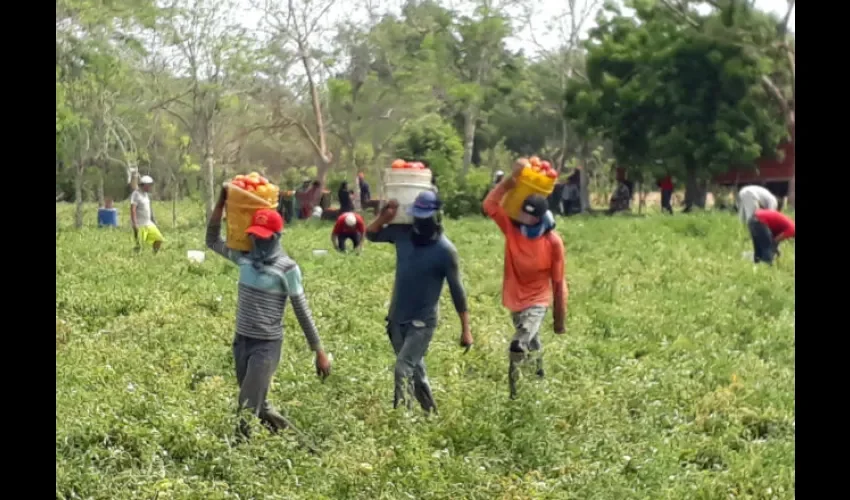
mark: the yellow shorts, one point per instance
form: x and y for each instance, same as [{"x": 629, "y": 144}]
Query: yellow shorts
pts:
[{"x": 150, "y": 235}]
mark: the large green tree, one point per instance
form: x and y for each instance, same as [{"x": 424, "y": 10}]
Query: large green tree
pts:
[{"x": 661, "y": 93}]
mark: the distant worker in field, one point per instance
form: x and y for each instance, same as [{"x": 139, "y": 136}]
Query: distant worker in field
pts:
[
  {"x": 768, "y": 228},
  {"x": 533, "y": 273},
  {"x": 345, "y": 201},
  {"x": 309, "y": 199},
  {"x": 141, "y": 216},
  {"x": 365, "y": 193},
  {"x": 425, "y": 258},
  {"x": 267, "y": 278},
  {"x": 666, "y": 187},
  {"x": 349, "y": 226},
  {"x": 751, "y": 198}
]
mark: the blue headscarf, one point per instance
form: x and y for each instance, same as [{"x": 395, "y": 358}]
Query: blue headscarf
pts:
[{"x": 546, "y": 224}]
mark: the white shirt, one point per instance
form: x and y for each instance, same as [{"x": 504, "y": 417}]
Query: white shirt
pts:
[
  {"x": 142, "y": 202},
  {"x": 751, "y": 198}
]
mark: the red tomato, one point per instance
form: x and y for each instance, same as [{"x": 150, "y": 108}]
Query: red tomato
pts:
[
  {"x": 399, "y": 163},
  {"x": 239, "y": 183},
  {"x": 417, "y": 165},
  {"x": 239, "y": 178},
  {"x": 262, "y": 181},
  {"x": 551, "y": 174},
  {"x": 545, "y": 164},
  {"x": 251, "y": 181},
  {"x": 250, "y": 188}
]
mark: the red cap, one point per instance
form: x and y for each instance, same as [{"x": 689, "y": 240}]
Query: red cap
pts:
[{"x": 265, "y": 223}]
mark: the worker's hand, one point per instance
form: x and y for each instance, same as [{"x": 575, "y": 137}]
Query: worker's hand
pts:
[
  {"x": 519, "y": 164},
  {"x": 222, "y": 195},
  {"x": 466, "y": 340},
  {"x": 560, "y": 329},
  {"x": 390, "y": 209},
  {"x": 323, "y": 364}
]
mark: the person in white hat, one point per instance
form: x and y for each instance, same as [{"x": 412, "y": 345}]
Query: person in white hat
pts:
[
  {"x": 752, "y": 198},
  {"x": 349, "y": 226},
  {"x": 141, "y": 216}
]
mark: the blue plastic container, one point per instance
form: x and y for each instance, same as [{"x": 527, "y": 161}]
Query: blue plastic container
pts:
[{"x": 107, "y": 217}]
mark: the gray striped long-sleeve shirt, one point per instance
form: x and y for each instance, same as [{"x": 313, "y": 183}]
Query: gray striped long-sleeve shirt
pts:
[{"x": 262, "y": 294}]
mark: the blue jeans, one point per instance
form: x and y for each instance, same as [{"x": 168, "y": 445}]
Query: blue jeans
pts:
[{"x": 764, "y": 247}]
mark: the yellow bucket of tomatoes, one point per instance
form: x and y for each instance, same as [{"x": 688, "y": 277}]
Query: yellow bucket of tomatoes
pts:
[
  {"x": 245, "y": 195},
  {"x": 538, "y": 177}
]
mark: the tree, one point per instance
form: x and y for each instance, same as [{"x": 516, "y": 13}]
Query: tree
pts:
[
  {"x": 92, "y": 45},
  {"x": 765, "y": 38},
  {"x": 296, "y": 28},
  {"x": 658, "y": 92},
  {"x": 214, "y": 64}
]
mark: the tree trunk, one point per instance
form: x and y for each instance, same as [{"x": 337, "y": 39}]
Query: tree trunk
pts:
[
  {"x": 78, "y": 195},
  {"x": 792, "y": 195},
  {"x": 175, "y": 192},
  {"x": 209, "y": 178},
  {"x": 100, "y": 196},
  {"x": 469, "y": 122},
  {"x": 695, "y": 190},
  {"x": 792, "y": 198},
  {"x": 584, "y": 186}
]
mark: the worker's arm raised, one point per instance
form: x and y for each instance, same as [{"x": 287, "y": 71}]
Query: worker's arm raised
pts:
[
  {"x": 492, "y": 203},
  {"x": 213, "y": 239},
  {"x": 376, "y": 232}
]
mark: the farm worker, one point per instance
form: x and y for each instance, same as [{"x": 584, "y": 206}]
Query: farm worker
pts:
[
  {"x": 424, "y": 259},
  {"x": 365, "y": 194},
  {"x": 666, "y": 187},
  {"x": 267, "y": 278},
  {"x": 141, "y": 216},
  {"x": 769, "y": 228},
  {"x": 751, "y": 198},
  {"x": 349, "y": 226},
  {"x": 534, "y": 269},
  {"x": 344, "y": 195},
  {"x": 309, "y": 199}
]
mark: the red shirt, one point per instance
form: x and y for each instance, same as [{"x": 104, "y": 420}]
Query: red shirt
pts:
[
  {"x": 666, "y": 184},
  {"x": 778, "y": 223},
  {"x": 341, "y": 228}
]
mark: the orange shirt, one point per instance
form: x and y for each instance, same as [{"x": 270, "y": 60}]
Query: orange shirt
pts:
[{"x": 532, "y": 266}]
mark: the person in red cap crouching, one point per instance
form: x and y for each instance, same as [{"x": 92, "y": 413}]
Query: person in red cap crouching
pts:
[
  {"x": 534, "y": 272},
  {"x": 349, "y": 226},
  {"x": 267, "y": 277}
]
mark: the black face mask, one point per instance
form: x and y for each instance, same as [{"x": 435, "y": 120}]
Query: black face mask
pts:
[{"x": 426, "y": 231}]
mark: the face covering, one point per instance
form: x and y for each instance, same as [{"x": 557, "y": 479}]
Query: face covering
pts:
[
  {"x": 546, "y": 224},
  {"x": 264, "y": 251},
  {"x": 425, "y": 231}
]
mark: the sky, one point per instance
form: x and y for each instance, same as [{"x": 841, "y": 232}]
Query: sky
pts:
[{"x": 537, "y": 32}]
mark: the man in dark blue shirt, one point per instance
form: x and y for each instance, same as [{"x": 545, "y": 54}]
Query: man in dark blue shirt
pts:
[{"x": 424, "y": 259}]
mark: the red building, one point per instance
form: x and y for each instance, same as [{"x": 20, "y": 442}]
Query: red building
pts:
[{"x": 774, "y": 174}]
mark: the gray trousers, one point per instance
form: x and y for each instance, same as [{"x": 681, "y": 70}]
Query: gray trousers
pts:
[
  {"x": 527, "y": 335},
  {"x": 256, "y": 362},
  {"x": 526, "y": 340},
  {"x": 410, "y": 343}
]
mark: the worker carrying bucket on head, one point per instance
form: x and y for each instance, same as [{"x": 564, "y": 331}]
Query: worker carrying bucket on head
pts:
[{"x": 533, "y": 274}]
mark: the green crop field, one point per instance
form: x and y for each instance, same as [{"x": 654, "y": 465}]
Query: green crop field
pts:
[{"x": 675, "y": 379}]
